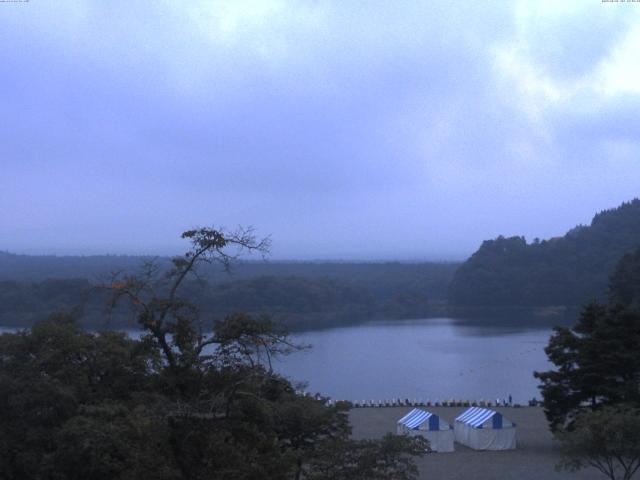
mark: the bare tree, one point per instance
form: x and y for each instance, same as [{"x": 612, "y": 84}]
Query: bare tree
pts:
[{"x": 154, "y": 294}]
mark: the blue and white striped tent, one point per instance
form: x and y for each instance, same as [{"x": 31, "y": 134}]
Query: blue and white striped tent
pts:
[
  {"x": 485, "y": 429},
  {"x": 428, "y": 425}
]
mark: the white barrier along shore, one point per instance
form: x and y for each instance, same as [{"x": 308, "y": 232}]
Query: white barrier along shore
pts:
[{"x": 398, "y": 402}]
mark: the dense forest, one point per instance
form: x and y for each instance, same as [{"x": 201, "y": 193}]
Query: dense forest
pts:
[
  {"x": 177, "y": 403},
  {"x": 298, "y": 295},
  {"x": 568, "y": 270}
]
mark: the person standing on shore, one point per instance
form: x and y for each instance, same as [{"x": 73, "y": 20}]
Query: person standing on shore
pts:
[{"x": 510, "y": 400}]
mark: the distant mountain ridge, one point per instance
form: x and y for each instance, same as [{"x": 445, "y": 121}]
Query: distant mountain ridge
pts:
[
  {"x": 40, "y": 267},
  {"x": 568, "y": 270}
]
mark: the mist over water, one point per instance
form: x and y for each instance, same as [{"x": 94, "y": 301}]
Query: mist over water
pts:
[{"x": 409, "y": 130}]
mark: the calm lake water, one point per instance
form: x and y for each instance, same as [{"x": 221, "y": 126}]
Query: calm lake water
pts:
[
  {"x": 424, "y": 359},
  {"x": 436, "y": 359}
]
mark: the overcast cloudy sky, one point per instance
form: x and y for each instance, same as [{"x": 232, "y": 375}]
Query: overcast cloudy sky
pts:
[{"x": 345, "y": 129}]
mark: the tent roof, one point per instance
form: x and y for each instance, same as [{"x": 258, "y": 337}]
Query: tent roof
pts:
[
  {"x": 415, "y": 418},
  {"x": 476, "y": 416}
]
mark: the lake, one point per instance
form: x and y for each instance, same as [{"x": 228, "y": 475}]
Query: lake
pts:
[
  {"x": 436, "y": 359},
  {"x": 432, "y": 359}
]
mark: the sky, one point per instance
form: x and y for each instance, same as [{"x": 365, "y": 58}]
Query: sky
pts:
[{"x": 353, "y": 130}]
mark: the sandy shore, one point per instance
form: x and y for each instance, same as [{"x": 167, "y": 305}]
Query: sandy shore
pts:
[{"x": 535, "y": 457}]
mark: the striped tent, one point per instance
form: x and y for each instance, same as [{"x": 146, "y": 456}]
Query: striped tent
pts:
[
  {"x": 430, "y": 426},
  {"x": 485, "y": 429}
]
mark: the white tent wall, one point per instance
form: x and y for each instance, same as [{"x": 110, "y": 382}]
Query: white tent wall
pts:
[
  {"x": 461, "y": 433},
  {"x": 492, "y": 434},
  {"x": 494, "y": 439},
  {"x": 425, "y": 424},
  {"x": 440, "y": 441},
  {"x": 485, "y": 438}
]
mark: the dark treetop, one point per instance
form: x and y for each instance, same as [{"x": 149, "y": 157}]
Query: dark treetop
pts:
[{"x": 568, "y": 270}]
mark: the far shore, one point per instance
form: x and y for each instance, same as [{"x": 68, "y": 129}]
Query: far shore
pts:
[{"x": 503, "y": 316}]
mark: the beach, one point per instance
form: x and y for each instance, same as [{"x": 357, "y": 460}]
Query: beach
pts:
[{"x": 535, "y": 458}]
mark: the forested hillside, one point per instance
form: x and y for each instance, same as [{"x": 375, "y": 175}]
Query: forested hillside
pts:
[
  {"x": 177, "y": 403},
  {"x": 505, "y": 272},
  {"x": 299, "y": 295},
  {"x": 568, "y": 270}
]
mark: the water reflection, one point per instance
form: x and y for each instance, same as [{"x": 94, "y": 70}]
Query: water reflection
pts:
[
  {"x": 431, "y": 358},
  {"x": 436, "y": 359}
]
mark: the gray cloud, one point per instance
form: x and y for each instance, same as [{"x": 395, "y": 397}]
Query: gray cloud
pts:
[{"x": 347, "y": 130}]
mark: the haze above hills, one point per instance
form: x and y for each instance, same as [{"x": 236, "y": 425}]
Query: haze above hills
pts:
[{"x": 506, "y": 272}]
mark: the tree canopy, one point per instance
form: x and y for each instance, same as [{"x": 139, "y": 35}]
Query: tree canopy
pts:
[
  {"x": 597, "y": 361},
  {"x": 568, "y": 270},
  {"x": 297, "y": 295},
  {"x": 181, "y": 402},
  {"x": 607, "y": 439}
]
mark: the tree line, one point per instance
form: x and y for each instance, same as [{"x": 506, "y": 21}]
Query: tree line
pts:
[
  {"x": 185, "y": 401},
  {"x": 592, "y": 396},
  {"x": 320, "y": 295},
  {"x": 568, "y": 270}
]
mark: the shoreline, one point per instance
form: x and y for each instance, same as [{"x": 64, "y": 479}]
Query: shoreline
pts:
[{"x": 499, "y": 316}]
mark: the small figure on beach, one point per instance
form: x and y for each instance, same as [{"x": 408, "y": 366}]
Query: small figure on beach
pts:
[{"x": 510, "y": 400}]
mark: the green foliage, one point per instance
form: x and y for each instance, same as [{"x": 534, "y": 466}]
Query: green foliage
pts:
[
  {"x": 569, "y": 270},
  {"x": 607, "y": 439},
  {"x": 108, "y": 440},
  {"x": 388, "y": 459},
  {"x": 297, "y": 303},
  {"x": 625, "y": 282},
  {"x": 298, "y": 296},
  {"x": 598, "y": 360},
  {"x": 47, "y": 375},
  {"x": 76, "y": 405},
  {"x": 23, "y": 303},
  {"x": 177, "y": 404}
]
